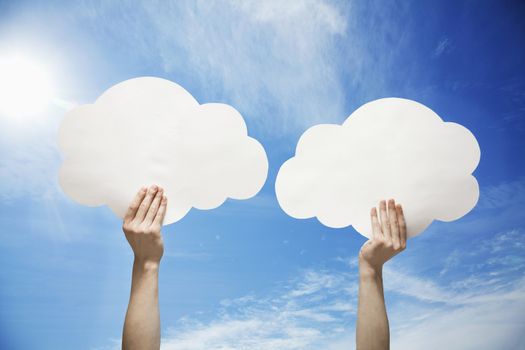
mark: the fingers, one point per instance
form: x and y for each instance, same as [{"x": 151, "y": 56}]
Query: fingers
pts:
[
  {"x": 385, "y": 224},
  {"x": 376, "y": 227},
  {"x": 159, "y": 218},
  {"x": 134, "y": 206},
  {"x": 146, "y": 202},
  {"x": 402, "y": 226},
  {"x": 394, "y": 226},
  {"x": 154, "y": 207}
]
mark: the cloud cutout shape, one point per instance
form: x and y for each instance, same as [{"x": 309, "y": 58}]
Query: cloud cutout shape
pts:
[
  {"x": 388, "y": 148},
  {"x": 150, "y": 130}
]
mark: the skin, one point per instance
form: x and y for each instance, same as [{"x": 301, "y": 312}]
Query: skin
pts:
[
  {"x": 389, "y": 237},
  {"x": 141, "y": 226}
]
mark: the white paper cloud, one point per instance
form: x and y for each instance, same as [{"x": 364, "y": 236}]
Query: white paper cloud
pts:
[
  {"x": 388, "y": 148},
  {"x": 152, "y": 131}
]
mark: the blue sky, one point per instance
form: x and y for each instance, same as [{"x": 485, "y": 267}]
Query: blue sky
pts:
[{"x": 245, "y": 275}]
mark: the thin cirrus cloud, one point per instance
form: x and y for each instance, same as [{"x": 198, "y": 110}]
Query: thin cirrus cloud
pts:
[
  {"x": 277, "y": 62},
  {"x": 317, "y": 308},
  {"x": 152, "y": 131},
  {"x": 387, "y": 148}
]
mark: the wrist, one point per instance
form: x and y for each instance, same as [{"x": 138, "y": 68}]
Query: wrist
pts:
[
  {"x": 146, "y": 264},
  {"x": 367, "y": 270}
]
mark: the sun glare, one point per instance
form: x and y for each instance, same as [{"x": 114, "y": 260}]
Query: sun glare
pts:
[{"x": 25, "y": 86}]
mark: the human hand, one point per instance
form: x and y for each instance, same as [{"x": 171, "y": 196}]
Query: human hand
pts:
[
  {"x": 389, "y": 236},
  {"x": 143, "y": 222}
]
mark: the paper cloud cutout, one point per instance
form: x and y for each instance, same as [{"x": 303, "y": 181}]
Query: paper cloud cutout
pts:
[
  {"x": 387, "y": 148},
  {"x": 152, "y": 131}
]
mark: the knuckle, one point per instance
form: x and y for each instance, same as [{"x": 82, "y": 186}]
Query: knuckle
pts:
[
  {"x": 149, "y": 231},
  {"x": 129, "y": 228}
]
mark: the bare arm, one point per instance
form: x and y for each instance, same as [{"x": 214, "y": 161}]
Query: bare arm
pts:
[
  {"x": 142, "y": 226},
  {"x": 389, "y": 238}
]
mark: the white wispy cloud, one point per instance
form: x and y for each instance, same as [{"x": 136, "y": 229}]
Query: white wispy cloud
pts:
[
  {"x": 442, "y": 47},
  {"x": 416, "y": 287},
  {"x": 503, "y": 195},
  {"x": 429, "y": 316},
  {"x": 284, "y": 65},
  {"x": 317, "y": 309},
  {"x": 494, "y": 321},
  {"x": 277, "y": 62},
  {"x": 451, "y": 261},
  {"x": 271, "y": 59},
  {"x": 304, "y": 313}
]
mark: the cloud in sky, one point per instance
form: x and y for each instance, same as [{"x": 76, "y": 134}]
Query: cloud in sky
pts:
[
  {"x": 273, "y": 56},
  {"x": 304, "y": 313},
  {"x": 494, "y": 321},
  {"x": 442, "y": 47},
  {"x": 152, "y": 131},
  {"x": 317, "y": 309},
  {"x": 285, "y": 65},
  {"x": 502, "y": 195},
  {"x": 387, "y": 148}
]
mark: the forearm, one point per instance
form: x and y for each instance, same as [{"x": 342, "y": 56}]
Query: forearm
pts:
[
  {"x": 142, "y": 324},
  {"x": 372, "y": 322}
]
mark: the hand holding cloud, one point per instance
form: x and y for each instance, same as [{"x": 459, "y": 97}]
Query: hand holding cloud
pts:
[
  {"x": 387, "y": 148},
  {"x": 152, "y": 131}
]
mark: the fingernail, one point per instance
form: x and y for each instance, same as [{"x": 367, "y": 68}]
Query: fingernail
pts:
[
  {"x": 143, "y": 189},
  {"x": 154, "y": 188}
]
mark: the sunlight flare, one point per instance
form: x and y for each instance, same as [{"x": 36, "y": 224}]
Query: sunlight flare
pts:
[{"x": 25, "y": 86}]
